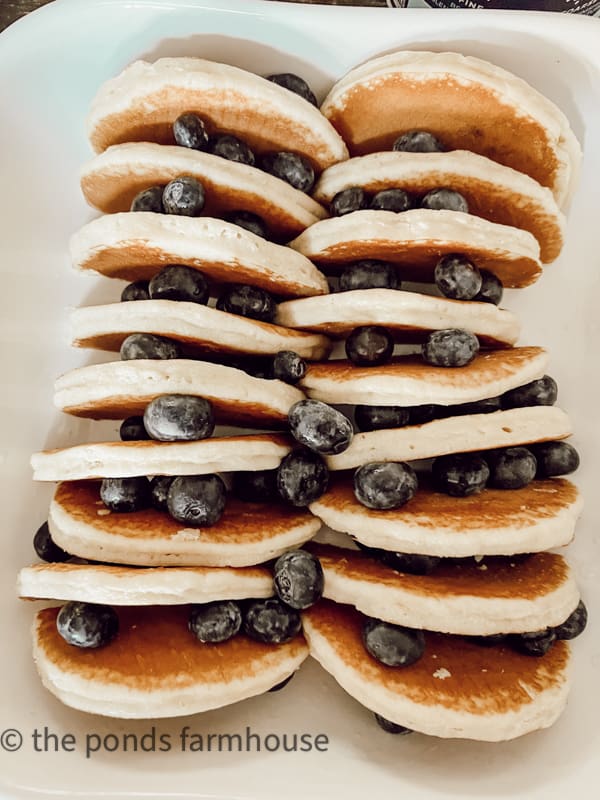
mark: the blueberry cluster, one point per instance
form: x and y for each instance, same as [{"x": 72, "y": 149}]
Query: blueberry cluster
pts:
[
  {"x": 458, "y": 278},
  {"x": 354, "y": 198}
]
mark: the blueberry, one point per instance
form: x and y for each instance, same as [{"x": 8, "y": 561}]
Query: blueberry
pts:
[
  {"x": 487, "y": 406},
  {"x": 159, "y": 490},
  {"x": 393, "y": 645},
  {"x": 374, "y": 418},
  {"x": 298, "y": 579},
  {"x": 179, "y": 418},
  {"x": 457, "y": 277},
  {"x": 279, "y": 686},
  {"x": 391, "y": 727},
  {"x": 418, "y": 142},
  {"x": 149, "y": 200},
  {"x": 384, "y": 485},
  {"x": 132, "y": 430},
  {"x": 248, "y": 301},
  {"x": 542, "y": 392},
  {"x": 369, "y": 274},
  {"x": 147, "y": 345},
  {"x": 295, "y": 84},
  {"x": 302, "y": 477},
  {"x": 347, "y": 201},
  {"x": 189, "y": 130},
  {"x": 271, "y": 622},
  {"x": 574, "y": 624},
  {"x": 460, "y": 475},
  {"x": 512, "y": 468},
  {"x": 369, "y": 346},
  {"x": 135, "y": 291},
  {"x": 288, "y": 367},
  {"x": 396, "y": 200},
  {"x": 320, "y": 427},
  {"x": 492, "y": 640},
  {"x": 256, "y": 487},
  {"x": 233, "y": 149},
  {"x": 215, "y": 622},
  {"x": 450, "y": 348},
  {"x": 536, "y": 643},
  {"x": 196, "y": 500},
  {"x": 87, "y": 624},
  {"x": 291, "y": 168},
  {"x": 413, "y": 563},
  {"x": 249, "y": 221},
  {"x": 178, "y": 282},
  {"x": 46, "y": 548},
  {"x": 555, "y": 458},
  {"x": 440, "y": 199},
  {"x": 184, "y": 196},
  {"x": 123, "y": 495},
  {"x": 420, "y": 415},
  {"x": 491, "y": 289}
]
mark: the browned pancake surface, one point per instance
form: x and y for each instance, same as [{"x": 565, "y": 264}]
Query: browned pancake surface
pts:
[{"x": 128, "y": 571}]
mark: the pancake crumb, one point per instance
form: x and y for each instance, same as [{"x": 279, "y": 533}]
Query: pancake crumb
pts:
[
  {"x": 103, "y": 512},
  {"x": 442, "y": 674}
]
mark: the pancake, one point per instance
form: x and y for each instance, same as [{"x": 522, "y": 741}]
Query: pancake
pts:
[
  {"x": 120, "y": 389},
  {"x": 156, "y": 668},
  {"x": 469, "y": 104},
  {"x": 137, "y": 245},
  {"x": 410, "y": 381},
  {"x": 129, "y": 459},
  {"x": 415, "y": 240},
  {"x": 470, "y": 598},
  {"x": 128, "y": 586},
  {"x": 200, "y": 328},
  {"x": 112, "y": 179},
  {"x": 494, "y": 192},
  {"x": 141, "y": 104},
  {"x": 495, "y": 522},
  {"x": 408, "y": 316},
  {"x": 246, "y": 534},
  {"x": 456, "y": 690}
]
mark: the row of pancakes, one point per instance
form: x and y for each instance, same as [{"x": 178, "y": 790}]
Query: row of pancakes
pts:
[{"x": 512, "y": 155}]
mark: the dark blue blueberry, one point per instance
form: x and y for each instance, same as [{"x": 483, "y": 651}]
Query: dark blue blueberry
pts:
[
  {"x": 46, "y": 548},
  {"x": 179, "y": 418},
  {"x": 279, "y": 686},
  {"x": 369, "y": 346},
  {"x": 445, "y": 199},
  {"x": 132, "y": 430},
  {"x": 396, "y": 200},
  {"x": 492, "y": 640},
  {"x": 512, "y": 468},
  {"x": 375, "y": 418},
  {"x": 420, "y": 415},
  {"x": 369, "y": 274},
  {"x": 487, "y": 406},
  {"x": 391, "y": 727},
  {"x": 249, "y": 221},
  {"x": 320, "y": 427},
  {"x": 149, "y": 200},
  {"x": 418, "y": 142},
  {"x": 147, "y": 345},
  {"x": 135, "y": 291},
  {"x": 574, "y": 624},
  {"x": 450, "y": 348},
  {"x": 457, "y": 277},
  {"x": 393, "y": 645},
  {"x": 491, "y": 289},
  {"x": 291, "y": 168},
  {"x": 271, "y": 622},
  {"x": 124, "y": 495},
  {"x": 233, "y": 149},
  {"x": 542, "y": 392},
  {"x": 197, "y": 500},
  {"x": 184, "y": 196},
  {"x": 215, "y": 622},
  {"x": 298, "y": 579},
  {"x": 536, "y": 643},
  {"x": 555, "y": 458},
  {"x": 384, "y": 485},
  {"x": 256, "y": 487},
  {"x": 189, "y": 130},
  {"x": 178, "y": 282},
  {"x": 302, "y": 477},
  {"x": 413, "y": 563},
  {"x": 295, "y": 84},
  {"x": 288, "y": 367},
  {"x": 460, "y": 475},
  {"x": 348, "y": 201},
  {"x": 248, "y": 301},
  {"x": 87, "y": 625},
  {"x": 159, "y": 490}
]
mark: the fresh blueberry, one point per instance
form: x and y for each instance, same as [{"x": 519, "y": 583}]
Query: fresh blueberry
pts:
[
  {"x": 87, "y": 625},
  {"x": 249, "y": 221},
  {"x": 375, "y": 418},
  {"x": 215, "y": 622},
  {"x": 413, "y": 563},
  {"x": 46, "y": 548},
  {"x": 295, "y": 84},
  {"x": 492, "y": 640},
  {"x": 445, "y": 199},
  {"x": 555, "y": 458},
  {"x": 460, "y": 475},
  {"x": 393, "y": 645},
  {"x": 302, "y": 477},
  {"x": 248, "y": 301},
  {"x": 179, "y": 418},
  {"x": 347, "y": 201},
  {"x": 196, "y": 500},
  {"x": 320, "y": 427},
  {"x": 487, "y": 406},
  {"x": 279, "y": 686},
  {"x": 384, "y": 485},
  {"x": 159, "y": 490},
  {"x": 574, "y": 624},
  {"x": 396, "y": 200},
  {"x": 536, "y": 643},
  {"x": 512, "y": 468},
  {"x": 189, "y": 130},
  {"x": 184, "y": 196},
  {"x": 298, "y": 579},
  {"x": 542, "y": 392},
  {"x": 491, "y": 289},
  {"x": 288, "y": 367},
  {"x": 233, "y": 149},
  {"x": 132, "y": 430},
  {"x": 369, "y": 274},
  {"x": 421, "y": 415},
  {"x": 291, "y": 168},
  {"x": 271, "y": 622},
  {"x": 178, "y": 282},
  {"x": 256, "y": 487},
  {"x": 450, "y": 348},
  {"x": 123, "y": 495},
  {"x": 135, "y": 291},
  {"x": 147, "y": 345},
  {"x": 149, "y": 200},
  {"x": 457, "y": 277},
  {"x": 369, "y": 346},
  {"x": 418, "y": 142},
  {"x": 391, "y": 727}
]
